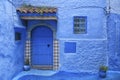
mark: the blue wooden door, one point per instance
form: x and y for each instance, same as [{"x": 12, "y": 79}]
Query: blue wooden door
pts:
[{"x": 42, "y": 46}]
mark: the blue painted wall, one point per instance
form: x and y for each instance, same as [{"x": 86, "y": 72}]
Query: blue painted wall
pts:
[
  {"x": 76, "y": 8},
  {"x": 91, "y": 48},
  {"x": 114, "y": 41},
  {"x": 32, "y": 23},
  {"x": 11, "y": 52}
]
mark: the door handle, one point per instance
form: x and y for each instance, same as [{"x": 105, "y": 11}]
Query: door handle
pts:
[{"x": 48, "y": 45}]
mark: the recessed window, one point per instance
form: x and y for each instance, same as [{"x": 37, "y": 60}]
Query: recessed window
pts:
[
  {"x": 20, "y": 34},
  {"x": 80, "y": 24},
  {"x": 17, "y": 36}
]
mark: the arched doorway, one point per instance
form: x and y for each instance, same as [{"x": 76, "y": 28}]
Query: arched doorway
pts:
[
  {"x": 42, "y": 47},
  {"x": 33, "y": 20},
  {"x": 38, "y": 33}
]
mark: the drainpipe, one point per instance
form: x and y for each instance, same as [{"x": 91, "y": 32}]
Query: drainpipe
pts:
[{"x": 108, "y": 10}]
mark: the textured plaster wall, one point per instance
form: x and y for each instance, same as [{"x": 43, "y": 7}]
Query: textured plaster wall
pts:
[
  {"x": 95, "y": 23},
  {"x": 114, "y": 41},
  {"x": 91, "y": 47},
  {"x": 89, "y": 56},
  {"x": 11, "y": 52},
  {"x": 68, "y": 9},
  {"x": 62, "y": 3},
  {"x": 114, "y": 34}
]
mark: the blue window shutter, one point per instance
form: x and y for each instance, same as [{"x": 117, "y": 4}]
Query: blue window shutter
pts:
[{"x": 70, "y": 47}]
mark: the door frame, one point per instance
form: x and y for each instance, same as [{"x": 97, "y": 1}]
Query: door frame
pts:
[{"x": 55, "y": 48}]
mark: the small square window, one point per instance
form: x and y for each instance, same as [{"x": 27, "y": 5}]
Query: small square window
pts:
[
  {"x": 80, "y": 24},
  {"x": 20, "y": 34},
  {"x": 17, "y": 36}
]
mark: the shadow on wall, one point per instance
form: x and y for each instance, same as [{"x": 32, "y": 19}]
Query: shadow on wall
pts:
[{"x": 114, "y": 41}]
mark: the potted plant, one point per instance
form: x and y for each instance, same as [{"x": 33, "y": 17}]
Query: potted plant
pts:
[
  {"x": 27, "y": 66},
  {"x": 103, "y": 71}
]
